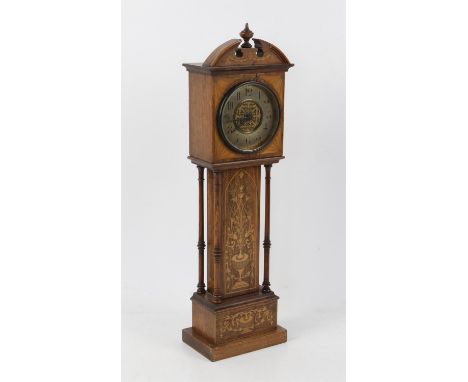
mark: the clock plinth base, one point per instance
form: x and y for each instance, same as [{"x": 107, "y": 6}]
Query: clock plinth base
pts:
[
  {"x": 235, "y": 326},
  {"x": 231, "y": 348}
]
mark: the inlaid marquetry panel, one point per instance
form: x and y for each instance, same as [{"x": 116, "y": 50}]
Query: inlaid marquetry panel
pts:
[
  {"x": 234, "y": 318},
  {"x": 242, "y": 321},
  {"x": 240, "y": 217},
  {"x": 241, "y": 234}
]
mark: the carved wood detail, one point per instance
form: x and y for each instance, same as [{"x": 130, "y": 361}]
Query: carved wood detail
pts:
[
  {"x": 218, "y": 223},
  {"x": 246, "y": 35},
  {"x": 230, "y": 54},
  {"x": 266, "y": 242},
  {"x": 201, "y": 233}
]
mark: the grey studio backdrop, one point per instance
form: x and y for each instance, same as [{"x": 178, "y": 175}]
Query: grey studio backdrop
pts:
[{"x": 159, "y": 188}]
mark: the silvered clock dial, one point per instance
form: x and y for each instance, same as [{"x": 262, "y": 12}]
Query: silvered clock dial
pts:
[{"x": 248, "y": 117}]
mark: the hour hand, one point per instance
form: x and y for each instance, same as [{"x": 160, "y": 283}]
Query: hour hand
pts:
[{"x": 246, "y": 118}]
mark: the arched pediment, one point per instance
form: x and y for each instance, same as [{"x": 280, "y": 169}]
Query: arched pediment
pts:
[{"x": 232, "y": 54}]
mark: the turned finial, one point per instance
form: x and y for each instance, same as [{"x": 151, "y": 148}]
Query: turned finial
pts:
[{"x": 246, "y": 35}]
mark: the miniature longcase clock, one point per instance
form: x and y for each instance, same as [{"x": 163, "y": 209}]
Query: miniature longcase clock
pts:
[{"x": 236, "y": 103}]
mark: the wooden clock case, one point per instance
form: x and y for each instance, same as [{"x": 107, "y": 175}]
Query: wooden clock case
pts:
[{"x": 234, "y": 314}]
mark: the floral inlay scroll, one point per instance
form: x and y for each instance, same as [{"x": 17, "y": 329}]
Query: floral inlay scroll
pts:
[
  {"x": 240, "y": 233},
  {"x": 246, "y": 321}
]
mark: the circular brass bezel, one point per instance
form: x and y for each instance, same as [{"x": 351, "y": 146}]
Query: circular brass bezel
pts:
[{"x": 276, "y": 109}]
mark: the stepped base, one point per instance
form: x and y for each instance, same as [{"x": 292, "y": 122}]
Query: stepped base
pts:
[{"x": 216, "y": 352}]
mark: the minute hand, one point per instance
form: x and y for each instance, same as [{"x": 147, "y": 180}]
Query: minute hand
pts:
[{"x": 245, "y": 118}]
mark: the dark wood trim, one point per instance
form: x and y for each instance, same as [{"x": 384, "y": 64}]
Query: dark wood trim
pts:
[
  {"x": 266, "y": 242},
  {"x": 234, "y": 164},
  {"x": 218, "y": 223},
  {"x": 201, "y": 233},
  {"x": 246, "y": 35},
  {"x": 214, "y": 70},
  {"x": 232, "y": 301}
]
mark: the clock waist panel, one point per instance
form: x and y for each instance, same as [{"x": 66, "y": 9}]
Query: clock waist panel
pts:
[{"x": 236, "y": 219}]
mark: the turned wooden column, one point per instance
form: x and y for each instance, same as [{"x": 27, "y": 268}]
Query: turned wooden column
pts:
[
  {"x": 201, "y": 234},
  {"x": 217, "y": 250},
  {"x": 266, "y": 241}
]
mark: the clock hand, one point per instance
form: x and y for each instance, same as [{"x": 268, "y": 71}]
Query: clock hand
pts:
[{"x": 247, "y": 117}]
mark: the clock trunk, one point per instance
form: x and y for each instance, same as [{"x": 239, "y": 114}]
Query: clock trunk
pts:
[{"x": 239, "y": 218}]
